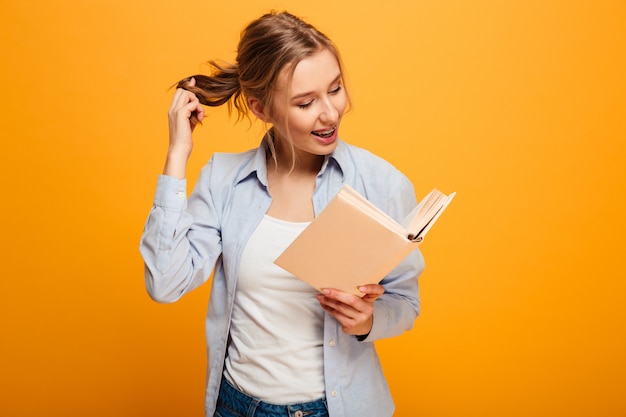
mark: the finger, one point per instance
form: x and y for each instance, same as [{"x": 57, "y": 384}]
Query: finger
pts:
[
  {"x": 342, "y": 304},
  {"x": 335, "y": 307},
  {"x": 372, "y": 289},
  {"x": 344, "y": 320},
  {"x": 347, "y": 304},
  {"x": 371, "y": 292},
  {"x": 199, "y": 112},
  {"x": 186, "y": 82},
  {"x": 184, "y": 104},
  {"x": 341, "y": 296},
  {"x": 362, "y": 324},
  {"x": 181, "y": 98},
  {"x": 185, "y": 97},
  {"x": 192, "y": 106}
]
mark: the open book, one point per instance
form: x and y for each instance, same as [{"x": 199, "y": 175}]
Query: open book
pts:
[{"x": 352, "y": 242}]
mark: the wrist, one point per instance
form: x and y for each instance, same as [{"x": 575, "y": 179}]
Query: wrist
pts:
[
  {"x": 179, "y": 151},
  {"x": 176, "y": 164}
]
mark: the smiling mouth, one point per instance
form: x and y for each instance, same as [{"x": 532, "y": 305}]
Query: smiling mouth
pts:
[{"x": 325, "y": 134}]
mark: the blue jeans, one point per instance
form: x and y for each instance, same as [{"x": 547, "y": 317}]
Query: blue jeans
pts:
[{"x": 234, "y": 403}]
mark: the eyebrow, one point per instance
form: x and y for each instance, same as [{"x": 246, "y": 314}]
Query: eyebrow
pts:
[{"x": 301, "y": 95}]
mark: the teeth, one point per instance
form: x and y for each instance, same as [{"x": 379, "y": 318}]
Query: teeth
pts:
[{"x": 325, "y": 133}]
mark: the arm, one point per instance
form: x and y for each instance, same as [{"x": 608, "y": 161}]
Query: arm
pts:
[
  {"x": 396, "y": 310},
  {"x": 179, "y": 252},
  {"x": 181, "y": 127},
  {"x": 390, "y": 308},
  {"x": 180, "y": 243}
]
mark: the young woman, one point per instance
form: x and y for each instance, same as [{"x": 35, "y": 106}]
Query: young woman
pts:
[{"x": 277, "y": 347}]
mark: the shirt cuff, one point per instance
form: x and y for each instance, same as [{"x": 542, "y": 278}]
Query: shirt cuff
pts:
[
  {"x": 362, "y": 337},
  {"x": 171, "y": 192}
]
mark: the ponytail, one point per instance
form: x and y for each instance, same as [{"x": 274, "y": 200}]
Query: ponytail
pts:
[{"x": 218, "y": 88}]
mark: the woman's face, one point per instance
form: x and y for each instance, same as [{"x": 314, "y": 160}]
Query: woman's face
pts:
[{"x": 308, "y": 111}]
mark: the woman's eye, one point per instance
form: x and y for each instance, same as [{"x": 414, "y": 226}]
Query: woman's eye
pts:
[
  {"x": 305, "y": 105},
  {"x": 336, "y": 90}
]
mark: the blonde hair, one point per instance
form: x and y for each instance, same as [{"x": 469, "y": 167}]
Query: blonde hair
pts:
[{"x": 268, "y": 45}]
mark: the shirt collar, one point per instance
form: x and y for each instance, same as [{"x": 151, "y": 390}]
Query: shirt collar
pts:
[
  {"x": 258, "y": 164},
  {"x": 339, "y": 158}
]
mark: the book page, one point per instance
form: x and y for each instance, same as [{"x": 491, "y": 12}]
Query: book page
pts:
[
  {"x": 442, "y": 206},
  {"x": 422, "y": 217},
  {"x": 363, "y": 204}
]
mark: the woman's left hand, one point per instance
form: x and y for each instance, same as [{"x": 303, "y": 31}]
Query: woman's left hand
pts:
[{"x": 356, "y": 315}]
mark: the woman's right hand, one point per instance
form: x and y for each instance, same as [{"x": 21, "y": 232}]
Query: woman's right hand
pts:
[{"x": 181, "y": 126}]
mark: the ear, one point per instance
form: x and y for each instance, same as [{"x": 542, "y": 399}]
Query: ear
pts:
[{"x": 258, "y": 109}]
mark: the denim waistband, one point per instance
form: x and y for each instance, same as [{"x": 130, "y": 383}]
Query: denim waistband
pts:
[{"x": 245, "y": 405}]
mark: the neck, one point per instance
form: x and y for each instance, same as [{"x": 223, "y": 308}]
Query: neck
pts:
[{"x": 290, "y": 161}]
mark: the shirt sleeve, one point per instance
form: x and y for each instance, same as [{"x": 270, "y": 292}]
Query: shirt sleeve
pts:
[{"x": 180, "y": 242}]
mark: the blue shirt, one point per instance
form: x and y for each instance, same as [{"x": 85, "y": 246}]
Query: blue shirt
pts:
[{"x": 185, "y": 240}]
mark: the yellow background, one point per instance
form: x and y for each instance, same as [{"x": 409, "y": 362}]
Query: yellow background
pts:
[{"x": 519, "y": 106}]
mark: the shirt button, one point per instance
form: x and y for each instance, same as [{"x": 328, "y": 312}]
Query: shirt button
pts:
[
  {"x": 180, "y": 194},
  {"x": 331, "y": 343},
  {"x": 298, "y": 413},
  {"x": 334, "y": 393}
]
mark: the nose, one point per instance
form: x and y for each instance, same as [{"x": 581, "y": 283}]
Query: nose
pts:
[{"x": 329, "y": 114}]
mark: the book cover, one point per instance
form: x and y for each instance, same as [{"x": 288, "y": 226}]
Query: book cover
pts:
[{"x": 352, "y": 242}]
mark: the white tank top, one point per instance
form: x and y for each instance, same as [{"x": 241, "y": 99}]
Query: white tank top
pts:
[{"x": 275, "y": 352}]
